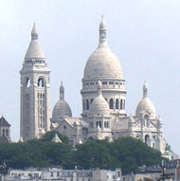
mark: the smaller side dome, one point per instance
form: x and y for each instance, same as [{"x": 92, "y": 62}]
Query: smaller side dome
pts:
[
  {"x": 145, "y": 105},
  {"x": 99, "y": 105},
  {"x": 62, "y": 108}
]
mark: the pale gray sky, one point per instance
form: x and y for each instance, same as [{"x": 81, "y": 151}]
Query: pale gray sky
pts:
[{"x": 144, "y": 34}]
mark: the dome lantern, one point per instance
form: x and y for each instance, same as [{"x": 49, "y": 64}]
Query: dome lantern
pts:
[
  {"x": 102, "y": 32},
  {"x": 145, "y": 90},
  {"x": 34, "y": 34},
  {"x": 61, "y": 90}
]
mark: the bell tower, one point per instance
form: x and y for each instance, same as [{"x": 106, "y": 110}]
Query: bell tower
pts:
[{"x": 35, "y": 86}]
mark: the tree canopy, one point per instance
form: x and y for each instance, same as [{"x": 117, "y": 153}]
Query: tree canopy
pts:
[{"x": 126, "y": 153}]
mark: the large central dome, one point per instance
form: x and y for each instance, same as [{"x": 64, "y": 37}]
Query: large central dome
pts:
[{"x": 103, "y": 64}]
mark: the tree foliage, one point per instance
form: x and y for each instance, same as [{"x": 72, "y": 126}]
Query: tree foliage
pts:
[{"x": 125, "y": 153}]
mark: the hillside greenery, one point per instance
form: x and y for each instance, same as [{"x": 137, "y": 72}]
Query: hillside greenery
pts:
[{"x": 126, "y": 153}]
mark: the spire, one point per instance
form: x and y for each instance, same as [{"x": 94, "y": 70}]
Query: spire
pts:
[
  {"x": 34, "y": 50},
  {"x": 102, "y": 32},
  {"x": 56, "y": 139},
  {"x": 34, "y": 34},
  {"x": 145, "y": 89},
  {"x": 99, "y": 88},
  {"x": 61, "y": 91}
]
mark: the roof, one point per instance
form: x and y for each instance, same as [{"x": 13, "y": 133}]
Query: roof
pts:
[
  {"x": 3, "y": 122},
  {"x": 34, "y": 50},
  {"x": 75, "y": 121},
  {"x": 56, "y": 139},
  {"x": 103, "y": 63},
  {"x": 145, "y": 106},
  {"x": 99, "y": 105},
  {"x": 62, "y": 108}
]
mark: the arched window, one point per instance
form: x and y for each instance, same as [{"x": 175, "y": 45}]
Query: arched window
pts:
[
  {"x": 7, "y": 132},
  {"x": 111, "y": 104},
  {"x": 3, "y": 133},
  {"x": 117, "y": 103},
  {"x": 107, "y": 124},
  {"x": 28, "y": 82},
  {"x": 121, "y": 104},
  {"x": 87, "y": 104},
  {"x": 41, "y": 82},
  {"x": 98, "y": 124},
  {"x": 84, "y": 104},
  {"x": 147, "y": 139},
  {"x": 91, "y": 101}
]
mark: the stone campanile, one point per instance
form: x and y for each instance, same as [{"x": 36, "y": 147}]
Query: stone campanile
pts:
[{"x": 35, "y": 86}]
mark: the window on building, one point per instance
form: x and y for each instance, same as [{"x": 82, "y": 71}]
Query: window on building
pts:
[
  {"x": 3, "y": 132},
  {"x": 41, "y": 82},
  {"x": 111, "y": 104},
  {"x": 87, "y": 104},
  {"x": 147, "y": 139},
  {"x": 105, "y": 124},
  {"x": 117, "y": 103},
  {"x": 98, "y": 124},
  {"x": 7, "y": 132},
  {"x": 84, "y": 104},
  {"x": 28, "y": 82},
  {"x": 121, "y": 104},
  {"x": 91, "y": 101}
]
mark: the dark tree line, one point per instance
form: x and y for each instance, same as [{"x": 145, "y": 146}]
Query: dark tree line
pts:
[{"x": 126, "y": 153}]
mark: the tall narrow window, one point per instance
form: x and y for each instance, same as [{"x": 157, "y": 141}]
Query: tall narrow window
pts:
[
  {"x": 28, "y": 82},
  {"x": 87, "y": 104},
  {"x": 41, "y": 82},
  {"x": 91, "y": 101},
  {"x": 84, "y": 104},
  {"x": 111, "y": 104},
  {"x": 7, "y": 132},
  {"x": 3, "y": 132},
  {"x": 121, "y": 104},
  {"x": 147, "y": 139},
  {"x": 117, "y": 103}
]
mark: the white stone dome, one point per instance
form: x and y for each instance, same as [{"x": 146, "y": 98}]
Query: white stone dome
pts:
[
  {"x": 145, "y": 106},
  {"x": 103, "y": 64},
  {"x": 62, "y": 108},
  {"x": 99, "y": 105}
]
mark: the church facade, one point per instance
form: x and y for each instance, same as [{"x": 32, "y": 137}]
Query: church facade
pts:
[{"x": 103, "y": 101}]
